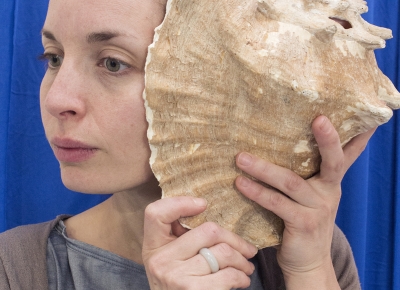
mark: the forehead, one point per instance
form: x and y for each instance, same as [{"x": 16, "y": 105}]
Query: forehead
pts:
[{"x": 138, "y": 17}]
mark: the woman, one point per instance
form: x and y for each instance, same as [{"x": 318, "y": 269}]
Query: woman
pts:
[{"x": 93, "y": 114}]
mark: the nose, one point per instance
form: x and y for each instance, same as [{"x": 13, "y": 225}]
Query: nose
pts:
[{"x": 65, "y": 96}]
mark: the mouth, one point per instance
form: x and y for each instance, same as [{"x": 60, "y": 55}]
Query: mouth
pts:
[{"x": 72, "y": 151}]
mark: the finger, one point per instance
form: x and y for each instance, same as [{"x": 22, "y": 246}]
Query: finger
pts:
[
  {"x": 177, "y": 229},
  {"x": 225, "y": 255},
  {"x": 226, "y": 279},
  {"x": 355, "y": 147},
  {"x": 271, "y": 199},
  {"x": 177, "y": 277},
  {"x": 205, "y": 236},
  {"x": 332, "y": 165},
  {"x": 160, "y": 214},
  {"x": 276, "y": 176}
]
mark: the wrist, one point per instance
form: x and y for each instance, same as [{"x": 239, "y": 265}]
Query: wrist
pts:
[{"x": 320, "y": 278}]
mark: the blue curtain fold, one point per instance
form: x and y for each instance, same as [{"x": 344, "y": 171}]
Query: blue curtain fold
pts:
[
  {"x": 31, "y": 190},
  {"x": 369, "y": 212},
  {"x": 6, "y": 33}
]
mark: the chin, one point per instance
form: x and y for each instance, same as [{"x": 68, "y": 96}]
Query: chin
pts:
[
  {"x": 87, "y": 187},
  {"x": 105, "y": 183}
]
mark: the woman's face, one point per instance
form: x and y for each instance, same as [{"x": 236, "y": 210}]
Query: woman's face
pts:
[{"x": 91, "y": 96}]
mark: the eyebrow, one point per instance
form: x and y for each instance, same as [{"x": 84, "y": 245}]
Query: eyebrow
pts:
[
  {"x": 48, "y": 35},
  {"x": 101, "y": 36},
  {"x": 91, "y": 37}
]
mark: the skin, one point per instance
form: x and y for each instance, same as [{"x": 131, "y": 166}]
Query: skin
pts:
[
  {"x": 82, "y": 99},
  {"x": 309, "y": 207}
]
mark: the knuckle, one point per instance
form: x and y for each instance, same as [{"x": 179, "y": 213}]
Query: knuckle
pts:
[
  {"x": 276, "y": 199},
  {"x": 258, "y": 190},
  {"x": 333, "y": 139},
  {"x": 241, "y": 243},
  {"x": 211, "y": 230},
  {"x": 264, "y": 169},
  {"x": 226, "y": 251},
  {"x": 293, "y": 182},
  {"x": 337, "y": 166},
  {"x": 154, "y": 266},
  {"x": 151, "y": 211}
]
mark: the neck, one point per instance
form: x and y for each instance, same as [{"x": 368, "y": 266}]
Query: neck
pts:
[{"x": 116, "y": 225}]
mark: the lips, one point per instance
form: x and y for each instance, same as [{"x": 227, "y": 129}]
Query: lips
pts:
[{"x": 72, "y": 151}]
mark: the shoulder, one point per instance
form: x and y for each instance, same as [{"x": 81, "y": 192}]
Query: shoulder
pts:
[
  {"x": 25, "y": 232},
  {"x": 26, "y": 238},
  {"x": 23, "y": 256},
  {"x": 343, "y": 261}
]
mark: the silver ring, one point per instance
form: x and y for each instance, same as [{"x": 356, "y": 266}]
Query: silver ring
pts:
[{"x": 210, "y": 258}]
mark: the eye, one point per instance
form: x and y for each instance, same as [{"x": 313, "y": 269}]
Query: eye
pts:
[
  {"x": 53, "y": 60},
  {"x": 114, "y": 65}
]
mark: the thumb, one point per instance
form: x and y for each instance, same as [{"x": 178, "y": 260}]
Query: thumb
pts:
[{"x": 161, "y": 214}]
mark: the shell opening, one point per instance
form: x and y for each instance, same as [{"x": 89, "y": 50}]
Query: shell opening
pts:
[{"x": 346, "y": 24}]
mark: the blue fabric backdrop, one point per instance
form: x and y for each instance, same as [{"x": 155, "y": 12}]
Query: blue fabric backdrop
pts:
[{"x": 31, "y": 190}]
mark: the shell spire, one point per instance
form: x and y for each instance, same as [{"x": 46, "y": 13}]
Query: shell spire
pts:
[{"x": 316, "y": 16}]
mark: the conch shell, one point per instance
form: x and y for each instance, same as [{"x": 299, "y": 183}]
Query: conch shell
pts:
[{"x": 225, "y": 76}]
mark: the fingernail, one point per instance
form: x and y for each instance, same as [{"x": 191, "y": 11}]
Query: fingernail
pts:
[
  {"x": 252, "y": 266},
  {"x": 253, "y": 249},
  {"x": 244, "y": 181},
  {"x": 245, "y": 159},
  {"x": 324, "y": 126},
  {"x": 200, "y": 201}
]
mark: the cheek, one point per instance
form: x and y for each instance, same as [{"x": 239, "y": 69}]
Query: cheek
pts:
[
  {"x": 130, "y": 129},
  {"x": 137, "y": 127},
  {"x": 44, "y": 89},
  {"x": 134, "y": 150}
]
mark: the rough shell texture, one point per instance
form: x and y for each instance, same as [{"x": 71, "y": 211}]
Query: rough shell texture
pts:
[{"x": 224, "y": 76}]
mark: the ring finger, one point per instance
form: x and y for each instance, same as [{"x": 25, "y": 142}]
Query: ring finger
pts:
[{"x": 225, "y": 255}]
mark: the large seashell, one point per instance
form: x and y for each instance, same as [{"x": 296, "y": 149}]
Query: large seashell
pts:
[{"x": 224, "y": 76}]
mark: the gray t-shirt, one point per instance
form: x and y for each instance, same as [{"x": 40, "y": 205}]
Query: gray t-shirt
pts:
[{"x": 74, "y": 265}]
